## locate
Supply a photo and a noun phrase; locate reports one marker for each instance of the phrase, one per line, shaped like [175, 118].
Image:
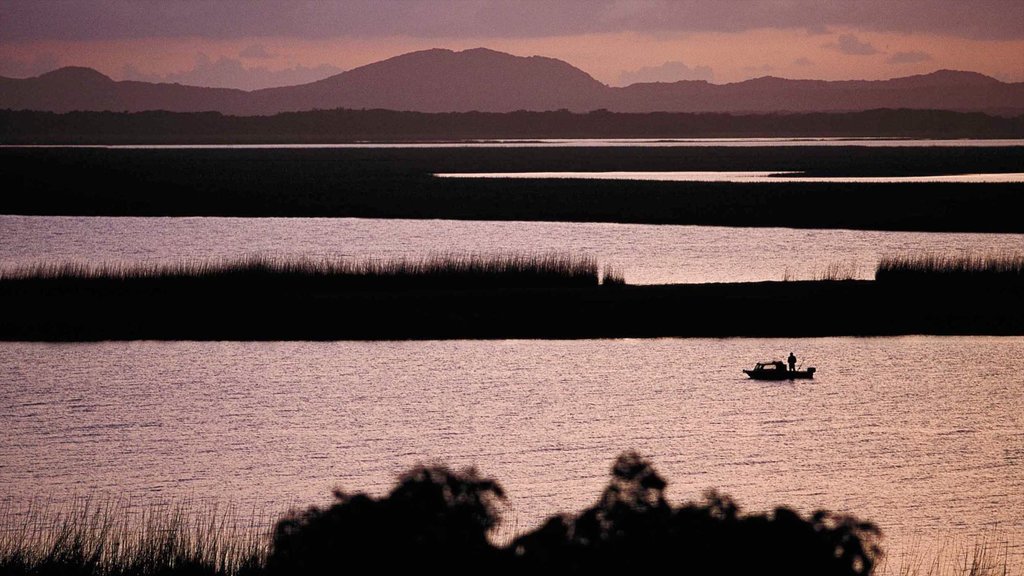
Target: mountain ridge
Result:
[485, 80]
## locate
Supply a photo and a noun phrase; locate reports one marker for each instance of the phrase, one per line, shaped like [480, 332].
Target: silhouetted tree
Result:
[434, 519]
[632, 527]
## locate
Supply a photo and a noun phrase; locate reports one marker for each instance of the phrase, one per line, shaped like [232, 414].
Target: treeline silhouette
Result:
[339, 126]
[436, 520]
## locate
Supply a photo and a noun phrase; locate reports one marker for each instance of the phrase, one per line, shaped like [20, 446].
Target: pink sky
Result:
[264, 43]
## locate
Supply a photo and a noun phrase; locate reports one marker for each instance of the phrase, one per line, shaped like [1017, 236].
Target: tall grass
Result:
[116, 538]
[1006, 267]
[838, 271]
[954, 558]
[445, 270]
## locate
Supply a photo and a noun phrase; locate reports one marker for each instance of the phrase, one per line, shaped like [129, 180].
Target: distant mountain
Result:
[489, 81]
[74, 88]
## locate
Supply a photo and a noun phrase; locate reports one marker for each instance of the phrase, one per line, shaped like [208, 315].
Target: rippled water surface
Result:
[646, 254]
[924, 435]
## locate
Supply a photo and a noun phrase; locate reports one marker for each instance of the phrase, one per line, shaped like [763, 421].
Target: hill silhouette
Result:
[480, 79]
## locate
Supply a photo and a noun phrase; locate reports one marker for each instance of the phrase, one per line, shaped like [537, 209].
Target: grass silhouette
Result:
[1006, 269]
[449, 270]
[115, 538]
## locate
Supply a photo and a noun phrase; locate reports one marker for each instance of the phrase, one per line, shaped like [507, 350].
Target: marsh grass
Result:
[612, 276]
[1005, 268]
[838, 271]
[114, 537]
[954, 557]
[438, 271]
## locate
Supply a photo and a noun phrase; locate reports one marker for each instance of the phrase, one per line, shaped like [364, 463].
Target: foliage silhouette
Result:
[436, 519]
[633, 527]
[433, 519]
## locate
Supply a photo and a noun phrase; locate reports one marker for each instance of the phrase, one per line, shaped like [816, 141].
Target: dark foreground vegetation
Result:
[439, 521]
[399, 183]
[512, 297]
[340, 126]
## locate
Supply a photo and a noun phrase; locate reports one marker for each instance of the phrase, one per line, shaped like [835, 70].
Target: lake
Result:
[923, 435]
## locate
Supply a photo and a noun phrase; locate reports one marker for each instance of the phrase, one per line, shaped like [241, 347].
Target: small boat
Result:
[777, 371]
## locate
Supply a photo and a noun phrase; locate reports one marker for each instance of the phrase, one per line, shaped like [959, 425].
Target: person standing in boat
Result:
[792, 362]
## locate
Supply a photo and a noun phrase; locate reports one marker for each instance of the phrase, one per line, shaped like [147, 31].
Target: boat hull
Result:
[780, 374]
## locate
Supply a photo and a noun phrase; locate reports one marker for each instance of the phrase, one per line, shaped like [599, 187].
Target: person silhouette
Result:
[792, 362]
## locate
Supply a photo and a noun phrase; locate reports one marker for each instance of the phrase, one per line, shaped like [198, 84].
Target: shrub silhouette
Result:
[433, 519]
[633, 527]
[436, 519]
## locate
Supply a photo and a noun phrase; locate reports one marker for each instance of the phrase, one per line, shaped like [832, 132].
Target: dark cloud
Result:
[667, 72]
[850, 44]
[803, 62]
[232, 73]
[257, 51]
[911, 57]
[113, 19]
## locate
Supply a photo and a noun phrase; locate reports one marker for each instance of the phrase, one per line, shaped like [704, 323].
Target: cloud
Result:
[667, 72]
[258, 51]
[40, 64]
[911, 57]
[28, 20]
[803, 62]
[851, 45]
[231, 73]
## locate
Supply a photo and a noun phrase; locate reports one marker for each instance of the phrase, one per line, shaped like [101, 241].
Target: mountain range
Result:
[484, 80]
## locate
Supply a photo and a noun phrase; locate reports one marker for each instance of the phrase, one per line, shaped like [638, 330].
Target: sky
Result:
[253, 44]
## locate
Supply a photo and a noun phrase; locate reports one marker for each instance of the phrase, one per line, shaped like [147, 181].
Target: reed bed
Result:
[1007, 268]
[116, 538]
[445, 270]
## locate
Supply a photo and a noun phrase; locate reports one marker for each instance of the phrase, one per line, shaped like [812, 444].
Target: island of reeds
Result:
[512, 296]
[399, 182]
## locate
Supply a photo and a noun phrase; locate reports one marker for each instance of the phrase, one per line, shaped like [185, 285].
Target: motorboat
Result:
[777, 371]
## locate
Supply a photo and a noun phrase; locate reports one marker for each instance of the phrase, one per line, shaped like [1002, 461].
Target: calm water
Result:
[647, 254]
[924, 435]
